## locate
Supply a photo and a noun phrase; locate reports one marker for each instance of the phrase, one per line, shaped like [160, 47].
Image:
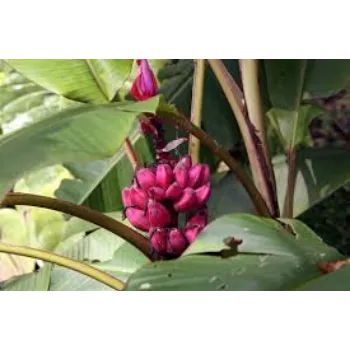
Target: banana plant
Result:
[200, 170]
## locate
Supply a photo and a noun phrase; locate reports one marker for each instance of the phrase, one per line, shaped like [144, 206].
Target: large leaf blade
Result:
[85, 80]
[273, 263]
[315, 249]
[107, 196]
[126, 260]
[98, 184]
[36, 281]
[68, 280]
[23, 102]
[204, 273]
[285, 79]
[97, 246]
[78, 134]
[290, 119]
[103, 250]
[14, 230]
[326, 77]
[228, 196]
[336, 281]
[258, 235]
[76, 225]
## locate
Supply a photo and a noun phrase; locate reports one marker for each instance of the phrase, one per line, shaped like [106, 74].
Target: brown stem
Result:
[183, 123]
[82, 212]
[131, 154]
[11, 190]
[292, 174]
[253, 144]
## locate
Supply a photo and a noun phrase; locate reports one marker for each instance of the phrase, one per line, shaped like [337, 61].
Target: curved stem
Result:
[82, 212]
[172, 117]
[78, 266]
[197, 101]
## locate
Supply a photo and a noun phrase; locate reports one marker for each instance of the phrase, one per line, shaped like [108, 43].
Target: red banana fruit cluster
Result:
[159, 194]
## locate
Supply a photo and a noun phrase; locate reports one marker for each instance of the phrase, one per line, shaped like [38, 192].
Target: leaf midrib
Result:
[96, 79]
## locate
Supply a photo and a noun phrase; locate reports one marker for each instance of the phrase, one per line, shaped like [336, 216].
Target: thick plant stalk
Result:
[82, 212]
[131, 153]
[71, 264]
[249, 76]
[196, 110]
[252, 141]
[183, 123]
[250, 80]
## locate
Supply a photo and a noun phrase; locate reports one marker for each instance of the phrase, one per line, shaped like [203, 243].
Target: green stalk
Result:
[288, 208]
[196, 110]
[250, 79]
[77, 266]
